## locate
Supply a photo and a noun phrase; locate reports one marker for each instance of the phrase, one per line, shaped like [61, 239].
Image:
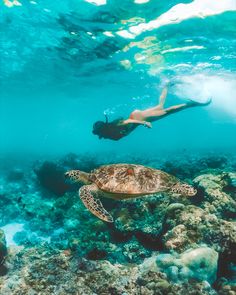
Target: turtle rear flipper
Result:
[92, 203]
[184, 189]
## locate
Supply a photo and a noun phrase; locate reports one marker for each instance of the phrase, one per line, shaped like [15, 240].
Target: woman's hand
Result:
[131, 121]
[147, 124]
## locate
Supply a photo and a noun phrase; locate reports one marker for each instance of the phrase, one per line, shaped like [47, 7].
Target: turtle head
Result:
[78, 176]
[184, 189]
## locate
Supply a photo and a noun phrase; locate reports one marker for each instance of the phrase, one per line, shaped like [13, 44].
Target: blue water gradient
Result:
[63, 65]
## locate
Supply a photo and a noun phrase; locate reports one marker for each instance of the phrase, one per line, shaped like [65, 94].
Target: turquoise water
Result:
[64, 66]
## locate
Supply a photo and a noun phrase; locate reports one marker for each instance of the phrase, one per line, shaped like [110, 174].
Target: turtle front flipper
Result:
[88, 196]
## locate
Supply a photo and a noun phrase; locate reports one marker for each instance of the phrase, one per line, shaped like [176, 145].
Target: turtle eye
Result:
[70, 174]
[67, 174]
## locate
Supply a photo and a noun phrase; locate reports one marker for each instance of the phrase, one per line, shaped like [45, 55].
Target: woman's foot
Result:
[193, 103]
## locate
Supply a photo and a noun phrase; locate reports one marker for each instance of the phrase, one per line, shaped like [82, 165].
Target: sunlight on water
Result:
[97, 2]
[181, 12]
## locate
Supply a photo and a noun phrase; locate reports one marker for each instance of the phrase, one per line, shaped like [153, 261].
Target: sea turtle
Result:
[124, 181]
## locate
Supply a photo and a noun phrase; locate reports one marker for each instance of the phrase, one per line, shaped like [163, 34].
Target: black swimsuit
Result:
[115, 130]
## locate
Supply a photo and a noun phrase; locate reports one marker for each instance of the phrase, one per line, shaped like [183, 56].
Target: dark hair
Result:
[98, 128]
[111, 130]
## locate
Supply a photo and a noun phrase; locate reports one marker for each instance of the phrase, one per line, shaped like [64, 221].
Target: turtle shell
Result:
[131, 179]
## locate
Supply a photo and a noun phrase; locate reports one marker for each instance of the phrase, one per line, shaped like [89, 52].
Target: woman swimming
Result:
[120, 128]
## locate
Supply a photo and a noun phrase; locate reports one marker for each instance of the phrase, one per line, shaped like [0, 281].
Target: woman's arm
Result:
[132, 121]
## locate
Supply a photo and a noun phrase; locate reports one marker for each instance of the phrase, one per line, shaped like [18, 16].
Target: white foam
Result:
[200, 87]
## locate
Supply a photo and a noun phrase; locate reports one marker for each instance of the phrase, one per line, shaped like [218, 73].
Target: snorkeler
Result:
[120, 128]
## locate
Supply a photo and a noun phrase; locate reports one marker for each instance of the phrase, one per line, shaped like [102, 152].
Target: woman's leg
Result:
[156, 114]
[160, 112]
[162, 97]
[176, 107]
[158, 109]
[183, 106]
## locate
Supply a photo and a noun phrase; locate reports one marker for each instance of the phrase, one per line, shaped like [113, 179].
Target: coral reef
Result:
[162, 244]
[51, 176]
[43, 270]
[216, 200]
[3, 247]
[3, 253]
[199, 263]
[192, 225]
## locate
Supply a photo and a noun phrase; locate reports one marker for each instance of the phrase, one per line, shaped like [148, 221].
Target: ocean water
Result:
[64, 66]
